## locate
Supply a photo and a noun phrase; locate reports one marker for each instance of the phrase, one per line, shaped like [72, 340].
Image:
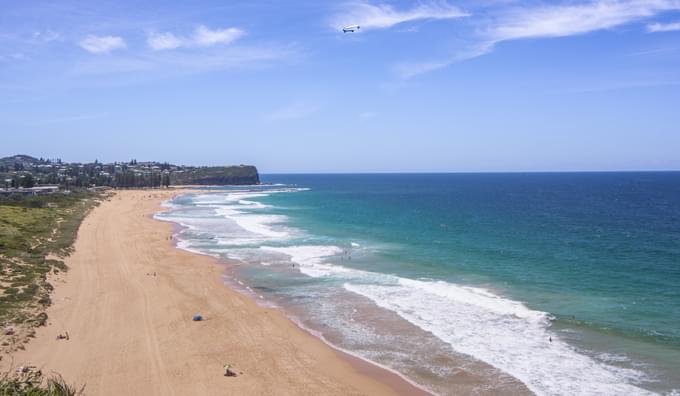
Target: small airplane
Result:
[350, 28]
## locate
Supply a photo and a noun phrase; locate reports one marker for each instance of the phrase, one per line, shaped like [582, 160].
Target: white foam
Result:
[224, 198]
[261, 224]
[240, 196]
[503, 333]
[310, 258]
[201, 214]
[168, 204]
[255, 223]
[613, 357]
[186, 245]
[253, 204]
[174, 219]
[230, 205]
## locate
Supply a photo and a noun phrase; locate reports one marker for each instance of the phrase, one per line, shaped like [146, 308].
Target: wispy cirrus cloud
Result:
[383, 16]
[407, 70]
[167, 63]
[574, 19]
[201, 37]
[546, 21]
[163, 41]
[46, 36]
[663, 27]
[102, 44]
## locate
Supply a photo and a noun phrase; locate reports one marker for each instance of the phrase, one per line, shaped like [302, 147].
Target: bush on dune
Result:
[32, 383]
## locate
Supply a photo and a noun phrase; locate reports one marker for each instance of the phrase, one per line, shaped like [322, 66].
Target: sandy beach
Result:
[127, 303]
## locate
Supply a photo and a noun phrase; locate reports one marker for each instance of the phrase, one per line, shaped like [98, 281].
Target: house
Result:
[39, 190]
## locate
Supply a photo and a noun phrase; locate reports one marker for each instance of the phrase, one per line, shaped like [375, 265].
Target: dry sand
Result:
[131, 333]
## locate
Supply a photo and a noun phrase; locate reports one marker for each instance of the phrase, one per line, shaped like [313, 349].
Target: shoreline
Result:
[395, 380]
[470, 376]
[127, 302]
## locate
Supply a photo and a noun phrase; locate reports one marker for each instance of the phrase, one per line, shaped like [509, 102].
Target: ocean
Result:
[563, 283]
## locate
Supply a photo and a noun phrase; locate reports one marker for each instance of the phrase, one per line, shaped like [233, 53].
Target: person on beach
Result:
[228, 372]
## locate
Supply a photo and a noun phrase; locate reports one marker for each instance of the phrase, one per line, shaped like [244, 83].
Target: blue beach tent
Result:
[198, 318]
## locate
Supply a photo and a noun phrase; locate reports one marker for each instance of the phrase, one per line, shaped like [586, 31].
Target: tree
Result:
[28, 181]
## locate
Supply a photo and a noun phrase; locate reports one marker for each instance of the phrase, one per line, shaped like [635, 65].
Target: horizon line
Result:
[472, 172]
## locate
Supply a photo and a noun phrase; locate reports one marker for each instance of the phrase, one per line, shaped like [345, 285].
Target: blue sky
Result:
[422, 86]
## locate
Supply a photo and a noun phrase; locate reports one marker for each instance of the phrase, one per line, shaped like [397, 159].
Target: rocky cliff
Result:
[216, 175]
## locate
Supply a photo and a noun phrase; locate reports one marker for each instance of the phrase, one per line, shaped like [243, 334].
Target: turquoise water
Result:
[480, 267]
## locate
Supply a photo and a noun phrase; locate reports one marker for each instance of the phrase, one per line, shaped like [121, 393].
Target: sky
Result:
[422, 86]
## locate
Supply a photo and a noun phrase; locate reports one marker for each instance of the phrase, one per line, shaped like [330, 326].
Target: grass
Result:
[33, 383]
[35, 234]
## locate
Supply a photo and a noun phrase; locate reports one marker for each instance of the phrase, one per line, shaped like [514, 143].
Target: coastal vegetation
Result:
[29, 382]
[36, 233]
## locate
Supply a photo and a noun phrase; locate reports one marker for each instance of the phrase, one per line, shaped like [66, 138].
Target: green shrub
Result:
[32, 383]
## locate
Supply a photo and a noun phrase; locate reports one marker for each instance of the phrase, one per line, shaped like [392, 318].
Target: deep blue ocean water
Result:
[569, 282]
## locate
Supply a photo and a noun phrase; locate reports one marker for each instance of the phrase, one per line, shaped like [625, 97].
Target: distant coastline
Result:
[24, 171]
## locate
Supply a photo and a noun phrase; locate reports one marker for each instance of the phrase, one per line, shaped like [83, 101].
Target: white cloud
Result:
[202, 37]
[292, 111]
[663, 27]
[573, 19]
[382, 16]
[163, 41]
[102, 44]
[206, 37]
